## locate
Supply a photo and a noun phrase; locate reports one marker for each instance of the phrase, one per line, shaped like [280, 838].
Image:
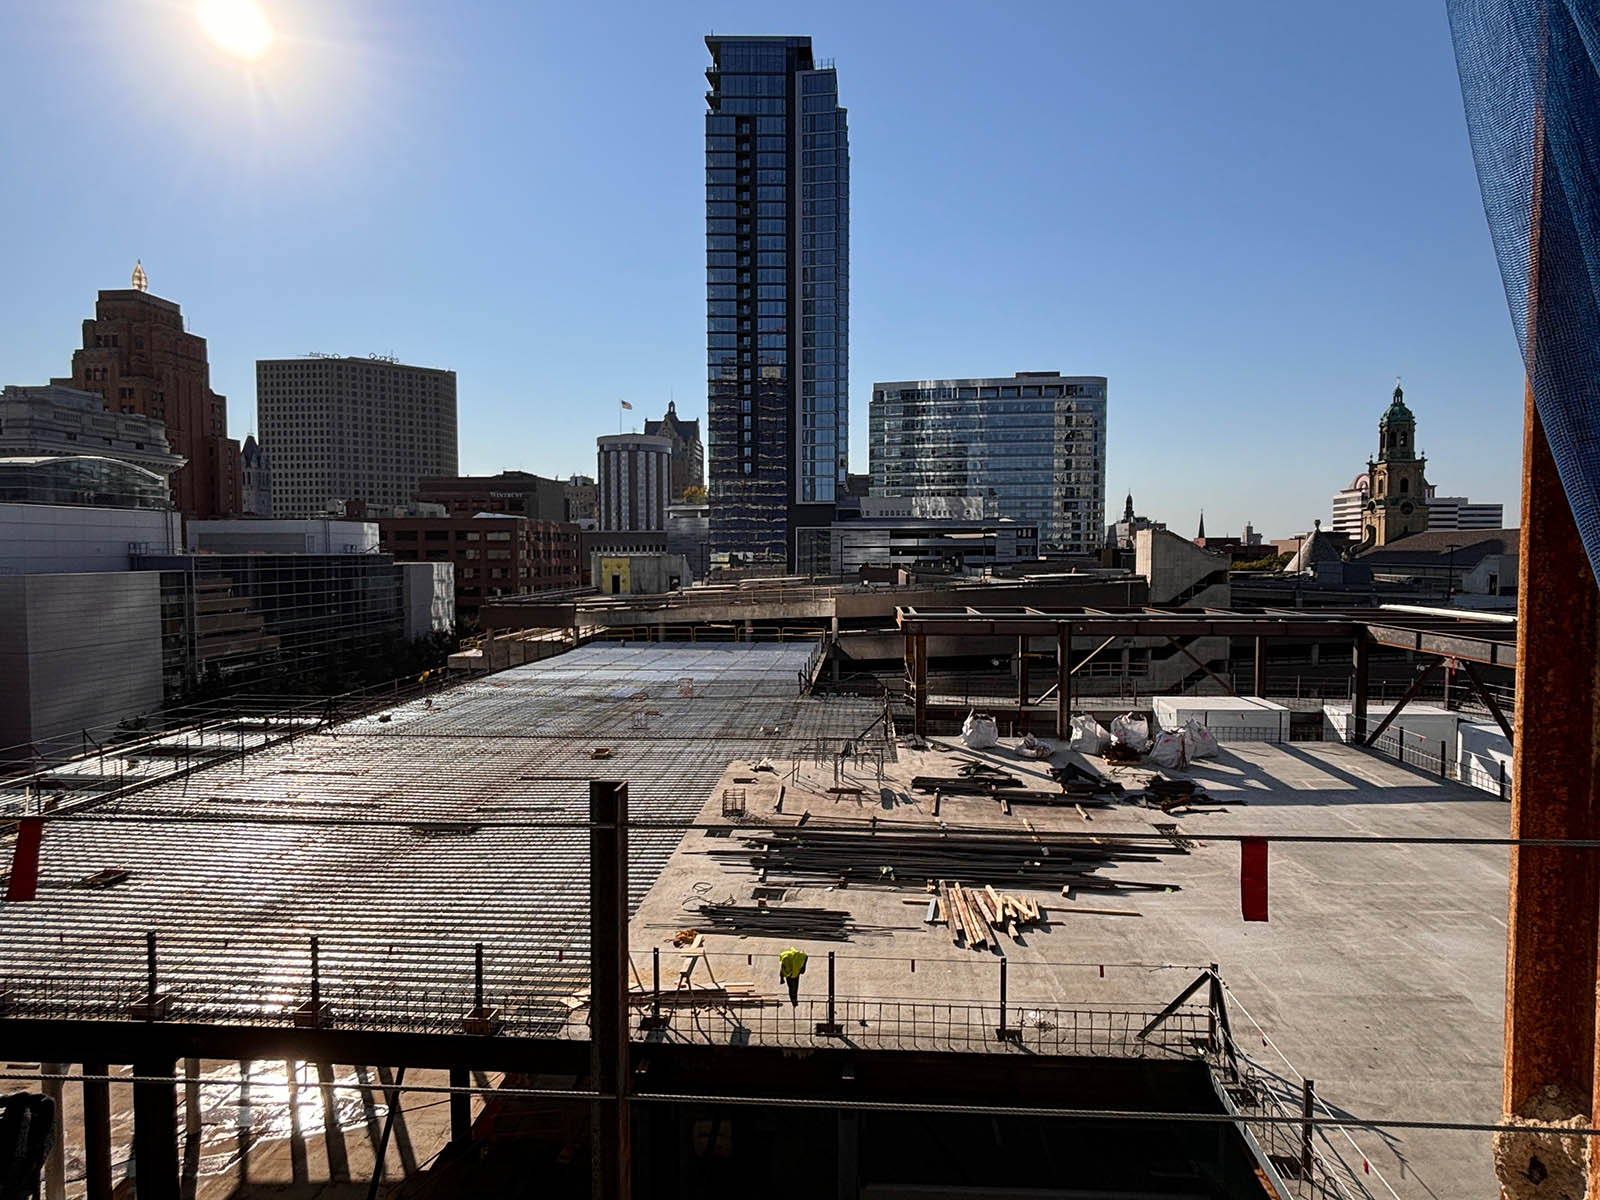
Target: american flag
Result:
[625, 405]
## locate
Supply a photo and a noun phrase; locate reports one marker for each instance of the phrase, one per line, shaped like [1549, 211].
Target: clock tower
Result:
[1397, 502]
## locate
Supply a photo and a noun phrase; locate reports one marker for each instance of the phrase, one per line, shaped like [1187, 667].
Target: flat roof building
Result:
[363, 430]
[777, 159]
[54, 420]
[1031, 447]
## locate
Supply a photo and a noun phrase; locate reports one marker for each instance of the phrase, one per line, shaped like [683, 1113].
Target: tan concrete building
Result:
[140, 359]
[353, 429]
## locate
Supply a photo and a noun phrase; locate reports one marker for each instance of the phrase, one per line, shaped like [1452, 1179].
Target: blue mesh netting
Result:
[1531, 88]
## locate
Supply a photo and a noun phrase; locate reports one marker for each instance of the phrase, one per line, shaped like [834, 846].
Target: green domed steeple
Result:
[1398, 412]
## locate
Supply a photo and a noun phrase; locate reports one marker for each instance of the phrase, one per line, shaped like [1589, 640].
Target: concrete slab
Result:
[1380, 972]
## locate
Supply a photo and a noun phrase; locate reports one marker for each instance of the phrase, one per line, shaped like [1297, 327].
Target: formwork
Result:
[404, 838]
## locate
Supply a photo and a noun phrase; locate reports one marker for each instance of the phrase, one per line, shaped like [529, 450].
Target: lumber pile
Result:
[733, 994]
[759, 920]
[975, 916]
[811, 856]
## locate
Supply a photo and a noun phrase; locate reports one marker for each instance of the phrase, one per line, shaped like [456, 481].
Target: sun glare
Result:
[238, 27]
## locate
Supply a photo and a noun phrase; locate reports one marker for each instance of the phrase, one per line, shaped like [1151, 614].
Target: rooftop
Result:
[405, 837]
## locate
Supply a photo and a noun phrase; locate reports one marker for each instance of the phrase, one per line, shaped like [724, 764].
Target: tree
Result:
[694, 495]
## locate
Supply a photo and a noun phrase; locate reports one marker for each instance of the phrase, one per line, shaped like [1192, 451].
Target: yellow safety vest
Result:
[792, 963]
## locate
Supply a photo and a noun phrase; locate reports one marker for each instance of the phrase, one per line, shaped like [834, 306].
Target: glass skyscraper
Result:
[777, 296]
[1032, 447]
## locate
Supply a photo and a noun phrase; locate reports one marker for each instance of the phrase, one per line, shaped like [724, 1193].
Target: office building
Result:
[141, 360]
[54, 420]
[1032, 447]
[492, 555]
[514, 492]
[78, 514]
[689, 534]
[951, 547]
[777, 296]
[634, 474]
[1457, 512]
[1350, 508]
[355, 430]
[255, 478]
[583, 498]
[688, 454]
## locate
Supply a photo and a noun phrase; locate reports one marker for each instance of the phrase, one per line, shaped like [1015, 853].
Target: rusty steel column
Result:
[920, 683]
[1022, 684]
[610, 1120]
[1063, 682]
[1554, 915]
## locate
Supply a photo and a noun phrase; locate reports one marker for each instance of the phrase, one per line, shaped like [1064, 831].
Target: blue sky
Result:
[1250, 217]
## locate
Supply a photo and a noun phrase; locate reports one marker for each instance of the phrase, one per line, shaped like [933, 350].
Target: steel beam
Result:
[1361, 667]
[1489, 702]
[610, 1119]
[1406, 698]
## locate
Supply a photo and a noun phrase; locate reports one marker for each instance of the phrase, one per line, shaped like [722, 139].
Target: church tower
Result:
[1397, 502]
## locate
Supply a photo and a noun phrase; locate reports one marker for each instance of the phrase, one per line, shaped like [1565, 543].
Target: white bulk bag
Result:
[1168, 750]
[1132, 732]
[979, 731]
[1088, 735]
[1198, 741]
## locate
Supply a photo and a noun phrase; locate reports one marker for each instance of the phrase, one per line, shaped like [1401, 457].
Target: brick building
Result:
[688, 467]
[140, 359]
[493, 555]
[515, 492]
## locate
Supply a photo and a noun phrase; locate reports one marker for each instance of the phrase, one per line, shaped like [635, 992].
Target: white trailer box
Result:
[1231, 718]
[1485, 756]
[1427, 728]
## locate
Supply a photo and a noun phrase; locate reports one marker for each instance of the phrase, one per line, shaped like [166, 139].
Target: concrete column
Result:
[1260, 683]
[55, 1163]
[155, 1131]
[460, 1109]
[97, 1133]
[191, 1097]
[611, 1160]
[849, 1155]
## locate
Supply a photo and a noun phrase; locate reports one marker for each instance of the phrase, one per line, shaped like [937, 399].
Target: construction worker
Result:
[792, 965]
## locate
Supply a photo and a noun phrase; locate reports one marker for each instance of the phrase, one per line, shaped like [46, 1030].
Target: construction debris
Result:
[750, 920]
[844, 858]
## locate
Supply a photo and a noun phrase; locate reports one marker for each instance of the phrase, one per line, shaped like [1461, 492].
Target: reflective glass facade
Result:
[81, 479]
[777, 296]
[1032, 447]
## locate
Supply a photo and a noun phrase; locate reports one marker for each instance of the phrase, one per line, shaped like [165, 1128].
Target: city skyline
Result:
[1254, 320]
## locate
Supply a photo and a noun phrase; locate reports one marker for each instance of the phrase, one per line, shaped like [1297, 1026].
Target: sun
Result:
[238, 27]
